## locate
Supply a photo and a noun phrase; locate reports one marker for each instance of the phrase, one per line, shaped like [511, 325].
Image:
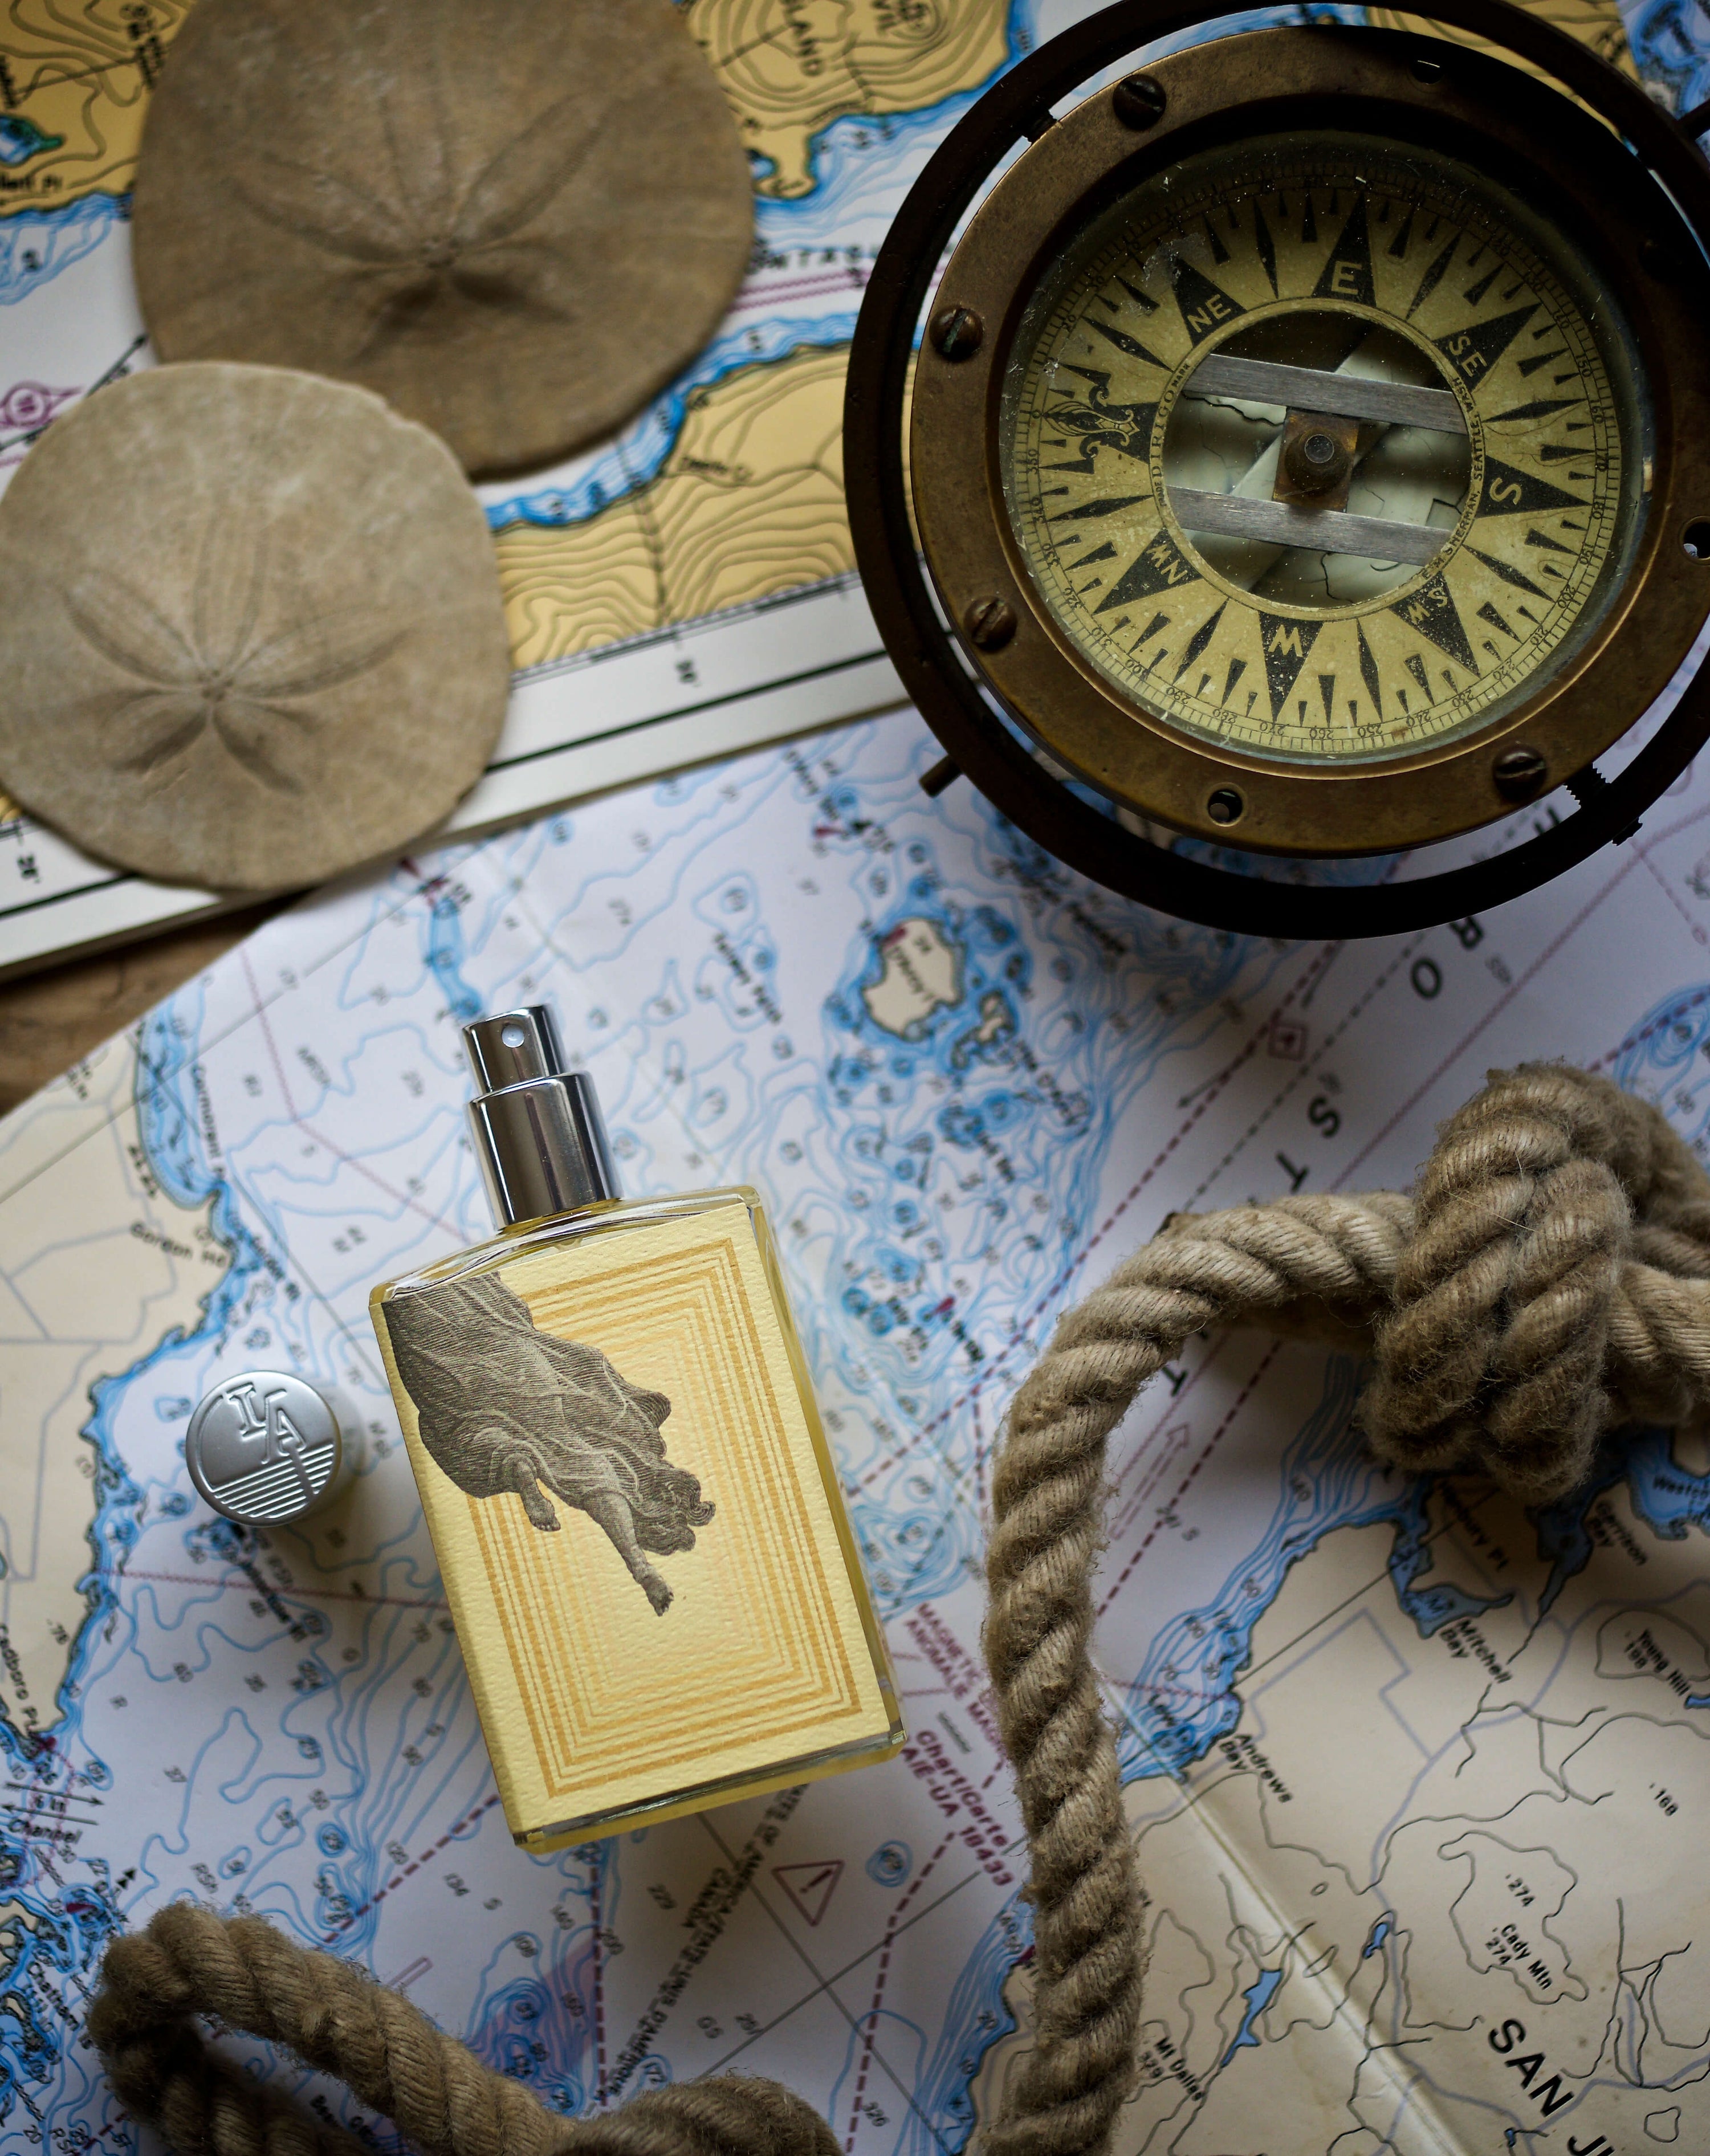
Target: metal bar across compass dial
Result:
[1313, 389]
[1338, 395]
[1322, 530]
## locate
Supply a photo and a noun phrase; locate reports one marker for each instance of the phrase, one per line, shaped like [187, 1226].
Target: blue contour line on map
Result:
[993, 1107]
[1670, 1499]
[1665, 51]
[1327, 1483]
[638, 457]
[445, 954]
[1208, 1648]
[1666, 1058]
[891, 1864]
[21, 139]
[69, 1930]
[830, 147]
[534, 2026]
[167, 1098]
[833, 143]
[36, 244]
[171, 1145]
[1258, 1994]
[837, 155]
[976, 2017]
[1667, 1497]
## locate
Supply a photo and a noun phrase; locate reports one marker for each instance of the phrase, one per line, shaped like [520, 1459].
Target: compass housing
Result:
[1076, 738]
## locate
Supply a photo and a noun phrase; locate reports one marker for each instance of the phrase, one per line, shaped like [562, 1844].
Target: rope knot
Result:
[1549, 1278]
[1552, 1222]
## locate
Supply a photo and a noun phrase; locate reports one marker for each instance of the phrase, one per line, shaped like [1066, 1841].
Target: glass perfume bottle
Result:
[636, 1513]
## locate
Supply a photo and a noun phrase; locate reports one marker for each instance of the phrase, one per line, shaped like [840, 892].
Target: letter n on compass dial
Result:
[1315, 451]
[1321, 454]
[1325, 424]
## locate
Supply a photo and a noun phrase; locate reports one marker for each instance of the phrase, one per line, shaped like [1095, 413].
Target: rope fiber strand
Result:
[1548, 1280]
[337, 2019]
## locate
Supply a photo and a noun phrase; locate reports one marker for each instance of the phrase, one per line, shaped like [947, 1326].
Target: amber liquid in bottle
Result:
[636, 1513]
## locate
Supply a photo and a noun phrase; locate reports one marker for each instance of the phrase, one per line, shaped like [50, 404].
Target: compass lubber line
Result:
[1306, 454]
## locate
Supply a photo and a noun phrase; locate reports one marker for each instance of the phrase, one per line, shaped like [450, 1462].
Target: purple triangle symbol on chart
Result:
[809, 1885]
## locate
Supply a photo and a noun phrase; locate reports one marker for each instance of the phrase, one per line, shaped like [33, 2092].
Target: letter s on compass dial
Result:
[1315, 463]
[1376, 466]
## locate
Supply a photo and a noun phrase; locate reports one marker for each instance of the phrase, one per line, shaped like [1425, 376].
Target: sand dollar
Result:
[516, 220]
[253, 632]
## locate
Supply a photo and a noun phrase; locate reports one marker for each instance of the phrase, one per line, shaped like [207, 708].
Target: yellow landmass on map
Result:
[1595, 22]
[75, 80]
[791, 67]
[111, 1232]
[750, 501]
[74, 85]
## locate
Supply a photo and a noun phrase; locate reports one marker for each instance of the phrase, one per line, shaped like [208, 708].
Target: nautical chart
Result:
[688, 589]
[1418, 1781]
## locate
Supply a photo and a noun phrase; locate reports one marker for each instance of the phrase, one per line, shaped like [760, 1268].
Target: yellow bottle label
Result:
[624, 1496]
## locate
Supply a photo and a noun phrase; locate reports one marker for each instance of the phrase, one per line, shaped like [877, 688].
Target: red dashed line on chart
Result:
[1671, 1016]
[1193, 1473]
[427, 1856]
[599, 1985]
[869, 2019]
[759, 298]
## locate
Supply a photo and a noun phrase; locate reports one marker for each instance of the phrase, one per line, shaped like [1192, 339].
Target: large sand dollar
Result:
[253, 631]
[516, 220]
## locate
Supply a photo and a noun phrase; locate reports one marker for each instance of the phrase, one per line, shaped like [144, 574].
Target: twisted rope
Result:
[1549, 1279]
[337, 2019]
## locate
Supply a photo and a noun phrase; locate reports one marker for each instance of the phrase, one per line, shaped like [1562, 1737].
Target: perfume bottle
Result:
[637, 1516]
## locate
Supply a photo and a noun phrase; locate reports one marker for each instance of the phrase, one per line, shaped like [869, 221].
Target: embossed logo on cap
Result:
[264, 1445]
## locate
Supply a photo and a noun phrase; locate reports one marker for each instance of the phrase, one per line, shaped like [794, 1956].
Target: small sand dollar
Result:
[516, 220]
[253, 632]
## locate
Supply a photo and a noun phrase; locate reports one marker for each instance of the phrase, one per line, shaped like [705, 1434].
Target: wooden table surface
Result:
[48, 1019]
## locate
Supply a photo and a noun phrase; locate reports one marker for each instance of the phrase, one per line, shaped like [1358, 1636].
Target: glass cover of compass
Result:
[1328, 452]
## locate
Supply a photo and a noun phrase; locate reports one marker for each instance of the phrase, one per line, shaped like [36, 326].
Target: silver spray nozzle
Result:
[538, 1133]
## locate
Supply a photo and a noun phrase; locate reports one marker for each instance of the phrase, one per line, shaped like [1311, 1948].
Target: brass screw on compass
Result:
[1138, 101]
[956, 332]
[990, 622]
[1518, 773]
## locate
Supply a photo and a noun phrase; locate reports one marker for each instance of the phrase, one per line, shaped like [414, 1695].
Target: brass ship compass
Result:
[1306, 455]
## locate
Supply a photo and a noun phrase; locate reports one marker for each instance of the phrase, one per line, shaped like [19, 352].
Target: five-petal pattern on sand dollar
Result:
[433, 230]
[220, 674]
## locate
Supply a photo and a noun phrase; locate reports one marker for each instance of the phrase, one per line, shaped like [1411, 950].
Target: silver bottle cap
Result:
[538, 1133]
[264, 1447]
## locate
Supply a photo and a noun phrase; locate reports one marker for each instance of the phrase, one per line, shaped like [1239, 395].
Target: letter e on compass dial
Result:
[1318, 458]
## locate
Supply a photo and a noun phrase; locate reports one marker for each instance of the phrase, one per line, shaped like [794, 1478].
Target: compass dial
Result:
[1324, 448]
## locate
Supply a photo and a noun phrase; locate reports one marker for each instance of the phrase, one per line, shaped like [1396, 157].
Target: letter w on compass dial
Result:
[1321, 450]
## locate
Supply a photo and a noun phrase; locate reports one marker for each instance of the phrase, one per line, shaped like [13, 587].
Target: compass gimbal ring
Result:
[958, 709]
